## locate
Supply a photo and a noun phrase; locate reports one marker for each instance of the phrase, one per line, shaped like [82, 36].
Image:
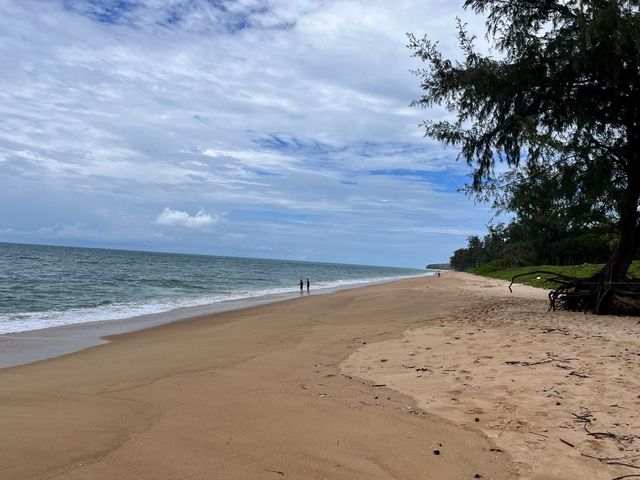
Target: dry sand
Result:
[558, 391]
[292, 390]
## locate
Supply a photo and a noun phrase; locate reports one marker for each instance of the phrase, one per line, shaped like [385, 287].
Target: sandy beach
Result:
[558, 391]
[443, 378]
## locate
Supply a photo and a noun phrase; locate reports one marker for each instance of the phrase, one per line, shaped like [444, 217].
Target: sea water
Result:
[46, 286]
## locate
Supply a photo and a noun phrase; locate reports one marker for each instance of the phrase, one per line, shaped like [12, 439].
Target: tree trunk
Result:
[608, 291]
[613, 292]
[616, 268]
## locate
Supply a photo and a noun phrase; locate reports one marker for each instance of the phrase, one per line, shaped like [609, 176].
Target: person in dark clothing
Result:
[301, 285]
[308, 285]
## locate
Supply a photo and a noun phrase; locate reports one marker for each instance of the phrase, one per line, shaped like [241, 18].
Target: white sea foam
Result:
[27, 321]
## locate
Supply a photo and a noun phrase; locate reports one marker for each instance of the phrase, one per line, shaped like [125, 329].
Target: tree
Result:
[561, 97]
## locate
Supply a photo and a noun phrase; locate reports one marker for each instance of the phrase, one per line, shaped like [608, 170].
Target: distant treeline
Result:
[521, 245]
[439, 266]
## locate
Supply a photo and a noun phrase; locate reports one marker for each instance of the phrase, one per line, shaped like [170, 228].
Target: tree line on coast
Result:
[556, 101]
[513, 246]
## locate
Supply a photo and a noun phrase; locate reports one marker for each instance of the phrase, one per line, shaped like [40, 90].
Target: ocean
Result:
[47, 286]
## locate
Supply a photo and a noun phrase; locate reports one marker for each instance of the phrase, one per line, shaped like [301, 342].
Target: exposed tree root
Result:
[590, 294]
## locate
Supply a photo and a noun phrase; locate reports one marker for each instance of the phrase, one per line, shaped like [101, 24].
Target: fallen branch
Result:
[524, 363]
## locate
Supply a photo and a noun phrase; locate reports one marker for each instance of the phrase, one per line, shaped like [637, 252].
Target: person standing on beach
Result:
[308, 285]
[301, 285]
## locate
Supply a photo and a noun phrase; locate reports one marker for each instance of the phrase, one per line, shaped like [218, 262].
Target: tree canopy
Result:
[557, 100]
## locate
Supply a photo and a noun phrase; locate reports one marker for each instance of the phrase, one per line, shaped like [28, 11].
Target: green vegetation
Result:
[523, 243]
[539, 279]
[556, 99]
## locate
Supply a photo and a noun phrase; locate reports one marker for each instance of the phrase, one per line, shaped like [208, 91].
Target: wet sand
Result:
[249, 394]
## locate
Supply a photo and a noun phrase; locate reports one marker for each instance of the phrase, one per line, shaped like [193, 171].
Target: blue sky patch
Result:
[103, 11]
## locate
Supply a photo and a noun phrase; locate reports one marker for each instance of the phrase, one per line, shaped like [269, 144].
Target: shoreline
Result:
[20, 348]
[254, 394]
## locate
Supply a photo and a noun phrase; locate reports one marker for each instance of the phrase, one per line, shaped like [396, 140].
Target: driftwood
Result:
[590, 294]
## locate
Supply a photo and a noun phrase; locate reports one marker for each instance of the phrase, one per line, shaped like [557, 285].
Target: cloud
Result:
[177, 218]
[289, 115]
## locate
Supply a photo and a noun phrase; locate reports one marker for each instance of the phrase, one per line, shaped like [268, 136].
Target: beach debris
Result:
[615, 436]
[551, 357]
[477, 475]
[279, 472]
[476, 419]
[525, 363]
[562, 331]
[585, 416]
[499, 450]
[379, 385]
[414, 411]
[553, 393]
[567, 443]
[613, 460]
[436, 451]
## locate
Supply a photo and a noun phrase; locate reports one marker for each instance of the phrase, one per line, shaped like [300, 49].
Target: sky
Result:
[258, 128]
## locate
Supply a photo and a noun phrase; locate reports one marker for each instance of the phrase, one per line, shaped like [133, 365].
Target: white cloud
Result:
[273, 111]
[178, 218]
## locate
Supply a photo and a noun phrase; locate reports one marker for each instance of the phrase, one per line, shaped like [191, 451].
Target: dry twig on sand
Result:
[551, 357]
